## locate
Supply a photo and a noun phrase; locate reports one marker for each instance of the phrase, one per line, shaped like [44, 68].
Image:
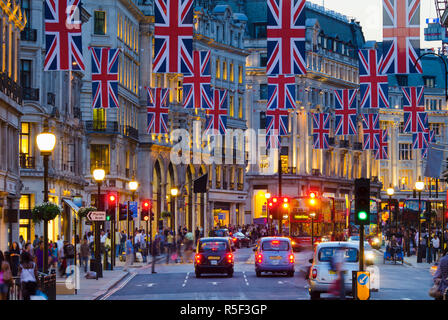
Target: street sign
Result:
[363, 285]
[133, 207]
[97, 216]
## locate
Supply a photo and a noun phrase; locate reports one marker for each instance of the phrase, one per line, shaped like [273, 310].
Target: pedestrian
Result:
[122, 242]
[179, 248]
[69, 255]
[129, 255]
[435, 243]
[21, 242]
[14, 258]
[441, 276]
[28, 276]
[337, 264]
[5, 279]
[54, 255]
[197, 234]
[36, 242]
[84, 254]
[169, 246]
[108, 250]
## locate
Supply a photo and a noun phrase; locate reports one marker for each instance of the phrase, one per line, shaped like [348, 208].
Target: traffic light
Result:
[362, 202]
[123, 212]
[112, 206]
[313, 201]
[278, 207]
[146, 206]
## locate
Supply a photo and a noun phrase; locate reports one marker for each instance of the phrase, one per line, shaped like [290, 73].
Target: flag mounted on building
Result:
[401, 36]
[63, 40]
[281, 92]
[321, 131]
[196, 85]
[415, 117]
[382, 153]
[173, 36]
[216, 118]
[430, 138]
[105, 77]
[371, 128]
[374, 85]
[286, 37]
[277, 126]
[346, 106]
[158, 110]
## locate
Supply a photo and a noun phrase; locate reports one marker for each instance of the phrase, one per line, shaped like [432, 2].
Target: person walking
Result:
[14, 254]
[28, 276]
[129, 255]
[5, 279]
[435, 243]
[441, 276]
[169, 246]
[84, 253]
[69, 254]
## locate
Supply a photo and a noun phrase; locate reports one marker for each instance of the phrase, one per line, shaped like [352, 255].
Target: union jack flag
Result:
[374, 85]
[63, 41]
[216, 118]
[401, 34]
[321, 130]
[286, 37]
[382, 153]
[105, 77]
[173, 36]
[415, 117]
[371, 126]
[157, 110]
[281, 92]
[277, 124]
[197, 91]
[430, 138]
[345, 111]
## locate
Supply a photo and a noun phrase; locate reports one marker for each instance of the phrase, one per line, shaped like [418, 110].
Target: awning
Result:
[70, 203]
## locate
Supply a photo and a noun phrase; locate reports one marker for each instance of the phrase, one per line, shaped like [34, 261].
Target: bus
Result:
[371, 230]
[329, 220]
[410, 209]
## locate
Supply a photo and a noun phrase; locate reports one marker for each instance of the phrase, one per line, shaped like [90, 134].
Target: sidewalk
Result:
[91, 289]
[412, 261]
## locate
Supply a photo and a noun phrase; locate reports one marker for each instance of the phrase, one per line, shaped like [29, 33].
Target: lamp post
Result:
[390, 192]
[312, 215]
[133, 186]
[98, 175]
[267, 195]
[174, 194]
[46, 142]
[419, 186]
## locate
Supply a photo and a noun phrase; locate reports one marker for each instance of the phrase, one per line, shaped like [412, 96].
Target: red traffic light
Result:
[274, 200]
[146, 218]
[112, 198]
[313, 195]
[146, 204]
[285, 200]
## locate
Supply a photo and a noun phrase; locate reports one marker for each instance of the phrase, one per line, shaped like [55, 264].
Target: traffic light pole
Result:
[153, 262]
[361, 247]
[127, 218]
[280, 216]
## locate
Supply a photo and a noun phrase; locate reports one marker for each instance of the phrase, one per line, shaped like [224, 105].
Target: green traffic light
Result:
[362, 215]
[108, 218]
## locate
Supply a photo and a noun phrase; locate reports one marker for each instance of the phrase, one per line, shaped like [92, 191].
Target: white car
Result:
[321, 277]
[355, 239]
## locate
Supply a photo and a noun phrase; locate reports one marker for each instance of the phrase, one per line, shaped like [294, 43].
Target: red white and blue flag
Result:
[173, 36]
[430, 138]
[158, 110]
[196, 86]
[105, 77]
[415, 117]
[63, 40]
[277, 125]
[382, 153]
[216, 119]
[346, 112]
[286, 37]
[401, 36]
[371, 128]
[281, 92]
[374, 85]
[321, 131]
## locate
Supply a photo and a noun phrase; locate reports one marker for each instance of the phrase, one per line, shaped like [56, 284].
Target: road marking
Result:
[245, 278]
[214, 283]
[149, 285]
[186, 279]
[106, 296]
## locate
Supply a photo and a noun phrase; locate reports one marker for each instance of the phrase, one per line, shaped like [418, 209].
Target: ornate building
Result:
[12, 22]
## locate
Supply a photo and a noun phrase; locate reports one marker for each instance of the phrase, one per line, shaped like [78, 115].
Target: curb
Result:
[103, 292]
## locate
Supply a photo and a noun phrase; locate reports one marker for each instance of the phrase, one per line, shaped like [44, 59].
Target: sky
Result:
[370, 14]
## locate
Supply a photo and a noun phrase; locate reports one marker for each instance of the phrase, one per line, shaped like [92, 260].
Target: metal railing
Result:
[357, 146]
[131, 132]
[26, 162]
[47, 284]
[9, 87]
[28, 34]
[31, 94]
[110, 127]
[15, 292]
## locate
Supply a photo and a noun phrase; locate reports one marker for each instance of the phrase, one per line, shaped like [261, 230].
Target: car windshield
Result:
[350, 255]
[212, 246]
[354, 238]
[221, 233]
[275, 245]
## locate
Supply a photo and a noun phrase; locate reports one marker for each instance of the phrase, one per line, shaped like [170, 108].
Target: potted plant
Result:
[84, 211]
[47, 211]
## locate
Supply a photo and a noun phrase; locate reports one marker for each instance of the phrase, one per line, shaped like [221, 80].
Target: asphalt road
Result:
[178, 282]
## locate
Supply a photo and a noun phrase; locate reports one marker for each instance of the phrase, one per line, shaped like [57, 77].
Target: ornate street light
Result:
[390, 192]
[99, 175]
[419, 186]
[46, 141]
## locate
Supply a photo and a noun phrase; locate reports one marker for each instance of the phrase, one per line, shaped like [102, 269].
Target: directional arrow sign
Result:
[97, 216]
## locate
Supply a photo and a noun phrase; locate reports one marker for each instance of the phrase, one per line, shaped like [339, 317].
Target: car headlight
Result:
[293, 243]
[376, 240]
[369, 256]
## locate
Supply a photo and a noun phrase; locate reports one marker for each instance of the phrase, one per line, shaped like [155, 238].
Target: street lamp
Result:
[267, 195]
[98, 175]
[174, 194]
[133, 186]
[419, 186]
[390, 192]
[312, 215]
[46, 142]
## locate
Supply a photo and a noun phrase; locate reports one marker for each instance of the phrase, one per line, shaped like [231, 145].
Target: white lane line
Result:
[120, 287]
[186, 279]
[245, 278]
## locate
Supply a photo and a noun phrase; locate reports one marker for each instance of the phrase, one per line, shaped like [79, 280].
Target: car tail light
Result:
[314, 273]
[275, 241]
[291, 258]
[259, 258]
[198, 258]
[229, 257]
[234, 239]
